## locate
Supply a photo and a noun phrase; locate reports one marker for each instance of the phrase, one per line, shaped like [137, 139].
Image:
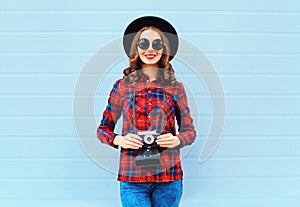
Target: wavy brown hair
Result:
[133, 72]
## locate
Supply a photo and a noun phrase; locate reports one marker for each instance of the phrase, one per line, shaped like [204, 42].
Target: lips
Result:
[150, 56]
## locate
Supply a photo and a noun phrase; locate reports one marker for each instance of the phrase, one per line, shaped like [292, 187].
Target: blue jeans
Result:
[151, 194]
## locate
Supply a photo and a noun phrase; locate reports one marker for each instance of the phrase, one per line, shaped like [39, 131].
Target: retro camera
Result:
[149, 153]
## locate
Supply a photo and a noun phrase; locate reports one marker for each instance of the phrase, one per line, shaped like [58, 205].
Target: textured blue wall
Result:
[254, 46]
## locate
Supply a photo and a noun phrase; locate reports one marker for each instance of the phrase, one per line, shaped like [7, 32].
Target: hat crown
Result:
[147, 21]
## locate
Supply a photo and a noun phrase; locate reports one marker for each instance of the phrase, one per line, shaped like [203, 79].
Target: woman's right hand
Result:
[130, 141]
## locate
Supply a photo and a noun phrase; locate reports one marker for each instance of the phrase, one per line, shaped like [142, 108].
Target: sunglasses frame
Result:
[148, 44]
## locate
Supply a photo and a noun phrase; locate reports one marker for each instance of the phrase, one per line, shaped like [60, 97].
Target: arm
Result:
[186, 130]
[110, 117]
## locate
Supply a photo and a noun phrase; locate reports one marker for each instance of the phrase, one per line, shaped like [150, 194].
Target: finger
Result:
[165, 143]
[133, 140]
[164, 136]
[135, 136]
[132, 145]
[166, 139]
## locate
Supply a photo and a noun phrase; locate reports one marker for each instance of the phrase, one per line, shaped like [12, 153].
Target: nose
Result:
[150, 49]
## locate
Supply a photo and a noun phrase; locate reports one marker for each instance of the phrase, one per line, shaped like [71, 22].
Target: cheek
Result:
[140, 52]
[159, 55]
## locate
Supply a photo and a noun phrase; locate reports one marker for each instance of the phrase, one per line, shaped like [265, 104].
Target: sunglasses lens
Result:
[157, 44]
[143, 43]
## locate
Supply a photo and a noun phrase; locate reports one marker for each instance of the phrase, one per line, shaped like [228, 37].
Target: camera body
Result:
[148, 138]
[149, 153]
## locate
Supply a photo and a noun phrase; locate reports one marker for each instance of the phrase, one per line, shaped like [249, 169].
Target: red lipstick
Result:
[150, 56]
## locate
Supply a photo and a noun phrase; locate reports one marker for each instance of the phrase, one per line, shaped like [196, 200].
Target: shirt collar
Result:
[145, 78]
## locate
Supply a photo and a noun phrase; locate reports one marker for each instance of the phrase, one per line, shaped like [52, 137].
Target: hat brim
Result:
[157, 22]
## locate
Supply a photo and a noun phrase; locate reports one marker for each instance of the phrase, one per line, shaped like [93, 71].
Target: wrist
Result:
[177, 141]
[117, 140]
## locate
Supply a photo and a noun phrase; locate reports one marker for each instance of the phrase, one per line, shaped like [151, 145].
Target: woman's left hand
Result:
[168, 140]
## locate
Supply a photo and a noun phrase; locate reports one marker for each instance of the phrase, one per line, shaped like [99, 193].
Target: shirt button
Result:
[149, 116]
[149, 91]
[150, 104]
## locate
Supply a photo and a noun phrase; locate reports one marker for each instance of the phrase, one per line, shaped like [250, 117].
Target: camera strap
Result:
[162, 127]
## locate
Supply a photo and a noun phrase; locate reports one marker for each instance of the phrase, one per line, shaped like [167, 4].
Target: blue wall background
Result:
[254, 46]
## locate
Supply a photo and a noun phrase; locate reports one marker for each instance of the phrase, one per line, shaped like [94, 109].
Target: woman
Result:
[149, 98]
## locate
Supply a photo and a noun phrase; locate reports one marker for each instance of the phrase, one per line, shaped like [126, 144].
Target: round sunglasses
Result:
[144, 44]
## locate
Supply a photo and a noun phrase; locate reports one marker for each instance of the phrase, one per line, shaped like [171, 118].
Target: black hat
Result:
[157, 22]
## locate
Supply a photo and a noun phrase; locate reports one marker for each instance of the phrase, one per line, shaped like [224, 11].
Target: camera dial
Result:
[149, 139]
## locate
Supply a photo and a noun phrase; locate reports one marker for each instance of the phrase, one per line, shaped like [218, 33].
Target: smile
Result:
[150, 56]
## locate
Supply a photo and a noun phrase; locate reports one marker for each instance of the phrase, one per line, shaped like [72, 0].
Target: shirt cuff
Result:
[182, 141]
[112, 142]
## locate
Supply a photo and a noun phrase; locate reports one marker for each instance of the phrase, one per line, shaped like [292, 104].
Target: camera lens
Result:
[149, 139]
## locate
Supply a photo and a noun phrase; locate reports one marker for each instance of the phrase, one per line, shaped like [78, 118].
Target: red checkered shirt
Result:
[148, 110]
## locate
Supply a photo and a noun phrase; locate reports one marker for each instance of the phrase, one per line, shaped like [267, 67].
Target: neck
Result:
[151, 71]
